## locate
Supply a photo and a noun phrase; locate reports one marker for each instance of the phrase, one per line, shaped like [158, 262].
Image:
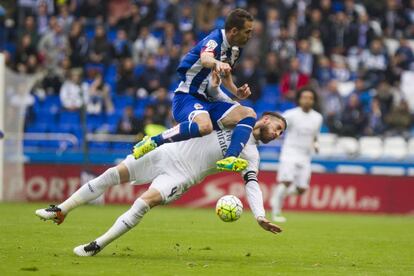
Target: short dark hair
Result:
[275, 115]
[236, 19]
[305, 89]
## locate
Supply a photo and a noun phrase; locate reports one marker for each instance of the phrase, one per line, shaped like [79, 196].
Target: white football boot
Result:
[87, 250]
[52, 213]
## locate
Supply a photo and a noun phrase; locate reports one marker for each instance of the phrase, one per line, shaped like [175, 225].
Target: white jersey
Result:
[198, 156]
[173, 168]
[300, 134]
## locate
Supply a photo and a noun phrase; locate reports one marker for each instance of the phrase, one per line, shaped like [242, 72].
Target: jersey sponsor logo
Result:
[210, 46]
[223, 137]
[198, 106]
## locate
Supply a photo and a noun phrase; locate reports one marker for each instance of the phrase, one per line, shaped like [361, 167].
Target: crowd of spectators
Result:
[119, 57]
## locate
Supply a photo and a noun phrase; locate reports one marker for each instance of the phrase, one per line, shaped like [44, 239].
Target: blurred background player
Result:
[295, 159]
[195, 109]
[172, 169]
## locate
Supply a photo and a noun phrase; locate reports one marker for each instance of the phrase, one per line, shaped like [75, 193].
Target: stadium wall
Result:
[322, 165]
[2, 95]
[329, 192]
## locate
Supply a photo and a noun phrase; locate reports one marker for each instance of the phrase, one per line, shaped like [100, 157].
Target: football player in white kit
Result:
[295, 159]
[172, 169]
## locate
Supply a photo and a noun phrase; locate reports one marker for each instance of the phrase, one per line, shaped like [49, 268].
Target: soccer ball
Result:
[229, 208]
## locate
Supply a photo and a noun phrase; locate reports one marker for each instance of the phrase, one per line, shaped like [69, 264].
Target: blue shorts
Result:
[186, 107]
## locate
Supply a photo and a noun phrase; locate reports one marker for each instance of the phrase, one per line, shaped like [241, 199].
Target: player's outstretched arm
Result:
[224, 71]
[255, 200]
[268, 226]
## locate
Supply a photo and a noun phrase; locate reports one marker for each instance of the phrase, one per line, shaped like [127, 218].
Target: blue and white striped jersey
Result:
[194, 77]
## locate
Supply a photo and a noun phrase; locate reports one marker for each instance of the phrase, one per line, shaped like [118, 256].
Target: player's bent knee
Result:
[123, 173]
[152, 197]
[205, 129]
[244, 112]
[236, 115]
[249, 112]
[203, 121]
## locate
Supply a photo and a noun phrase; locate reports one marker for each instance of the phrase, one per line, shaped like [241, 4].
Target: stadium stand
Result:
[360, 62]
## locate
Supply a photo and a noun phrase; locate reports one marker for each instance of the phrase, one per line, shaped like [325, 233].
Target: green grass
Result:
[173, 241]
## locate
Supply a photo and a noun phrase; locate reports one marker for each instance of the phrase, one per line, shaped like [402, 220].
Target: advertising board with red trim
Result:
[328, 192]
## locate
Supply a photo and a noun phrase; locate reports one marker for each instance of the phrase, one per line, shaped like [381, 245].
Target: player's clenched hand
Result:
[268, 226]
[222, 68]
[243, 92]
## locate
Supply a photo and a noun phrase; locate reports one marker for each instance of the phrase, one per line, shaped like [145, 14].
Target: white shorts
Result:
[164, 175]
[296, 172]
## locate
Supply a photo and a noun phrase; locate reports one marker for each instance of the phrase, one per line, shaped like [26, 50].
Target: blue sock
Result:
[181, 132]
[240, 136]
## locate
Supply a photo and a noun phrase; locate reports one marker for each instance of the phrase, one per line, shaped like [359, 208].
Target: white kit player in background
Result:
[172, 169]
[301, 140]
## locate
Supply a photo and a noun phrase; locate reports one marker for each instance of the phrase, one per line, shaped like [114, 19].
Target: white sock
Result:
[277, 199]
[91, 190]
[125, 222]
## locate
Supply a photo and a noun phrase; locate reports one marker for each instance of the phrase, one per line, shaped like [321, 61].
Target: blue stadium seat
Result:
[46, 118]
[158, 33]
[248, 103]
[337, 6]
[121, 102]
[110, 77]
[140, 107]
[45, 110]
[285, 105]
[11, 48]
[110, 71]
[265, 106]
[89, 32]
[99, 145]
[50, 144]
[48, 104]
[69, 118]
[30, 143]
[112, 121]
[72, 129]
[122, 146]
[271, 93]
[93, 122]
[34, 128]
[43, 127]
[138, 70]
[111, 35]
[38, 127]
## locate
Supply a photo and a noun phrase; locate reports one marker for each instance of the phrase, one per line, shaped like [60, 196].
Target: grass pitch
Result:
[175, 241]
